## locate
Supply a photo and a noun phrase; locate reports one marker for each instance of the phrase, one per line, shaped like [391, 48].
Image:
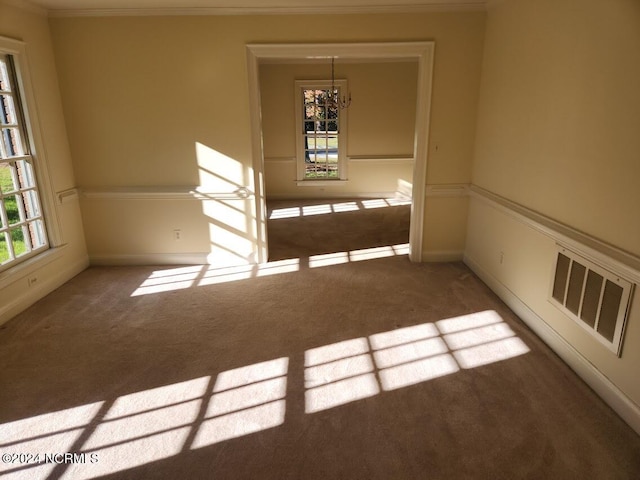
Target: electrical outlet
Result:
[177, 235]
[31, 281]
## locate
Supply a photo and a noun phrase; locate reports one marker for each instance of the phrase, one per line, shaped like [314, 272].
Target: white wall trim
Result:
[611, 394]
[470, 6]
[196, 258]
[442, 256]
[322, 183]
[380, 158]
[164, 193]
[33, 264]
[422, 51]
[31, 295]
[622, 263]
[447, 190]
[279, 159]
[68, 196]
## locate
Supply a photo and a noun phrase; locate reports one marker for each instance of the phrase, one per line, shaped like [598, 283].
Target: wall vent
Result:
[594, 297]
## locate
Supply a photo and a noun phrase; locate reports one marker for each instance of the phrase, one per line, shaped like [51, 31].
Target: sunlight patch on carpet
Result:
[337, 258]
[354, 369]
[172, 279]
[339, 207]
[245, 400]
[158, 423]
[42, 434]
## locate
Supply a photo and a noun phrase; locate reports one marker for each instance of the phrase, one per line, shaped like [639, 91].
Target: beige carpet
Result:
[352, 364]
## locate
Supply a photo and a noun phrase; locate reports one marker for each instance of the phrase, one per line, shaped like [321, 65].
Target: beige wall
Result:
[64, 221]
[559, 113]
[558, 123]
[381, 123]
[140, 92]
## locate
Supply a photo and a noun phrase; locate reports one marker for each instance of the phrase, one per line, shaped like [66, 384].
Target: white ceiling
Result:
[88, 7]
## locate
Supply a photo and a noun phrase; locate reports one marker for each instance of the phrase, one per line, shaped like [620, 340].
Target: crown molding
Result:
[311, 10]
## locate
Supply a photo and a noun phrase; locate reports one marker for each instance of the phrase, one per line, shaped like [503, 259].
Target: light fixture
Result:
[334, 99]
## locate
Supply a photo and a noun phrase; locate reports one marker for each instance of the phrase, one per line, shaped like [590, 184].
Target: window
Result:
[22, 229]
[321, 132]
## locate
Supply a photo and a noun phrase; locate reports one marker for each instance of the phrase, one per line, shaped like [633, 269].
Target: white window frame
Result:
[300, 85]
[34, 152]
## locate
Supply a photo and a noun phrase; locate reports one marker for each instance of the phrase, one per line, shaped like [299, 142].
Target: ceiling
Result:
[114, 7]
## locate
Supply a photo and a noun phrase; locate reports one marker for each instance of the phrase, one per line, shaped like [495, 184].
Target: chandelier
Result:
[334, 99]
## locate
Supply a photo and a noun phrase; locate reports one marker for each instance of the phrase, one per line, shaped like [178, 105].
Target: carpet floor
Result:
[318, 365]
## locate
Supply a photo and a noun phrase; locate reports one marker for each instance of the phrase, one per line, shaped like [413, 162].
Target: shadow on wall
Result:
[227, 202]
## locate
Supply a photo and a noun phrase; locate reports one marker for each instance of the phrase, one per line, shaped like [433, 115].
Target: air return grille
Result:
[593, 296]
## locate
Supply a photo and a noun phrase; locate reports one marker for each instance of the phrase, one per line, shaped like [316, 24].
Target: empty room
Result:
[362, 239]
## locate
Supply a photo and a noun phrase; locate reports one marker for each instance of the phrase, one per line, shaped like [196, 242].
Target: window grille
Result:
[22, 227]
[321, 137]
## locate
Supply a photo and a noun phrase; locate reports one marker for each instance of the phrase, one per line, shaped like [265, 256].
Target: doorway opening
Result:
[420, 52]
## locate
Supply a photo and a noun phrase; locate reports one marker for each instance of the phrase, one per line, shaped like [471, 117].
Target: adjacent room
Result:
[364, 239]
[367, 201]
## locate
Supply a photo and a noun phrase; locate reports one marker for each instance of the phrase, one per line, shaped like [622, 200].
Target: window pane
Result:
[310, 156]
[4, 250]
[12, 142]
[308, 96]
[36, 234]
[321, 143]
[321, 97]
[310, 171]
[4, 76]
[25, 176]
[6, 178]
[13, 208]
[332, 147]
[321, 156]
[7, 110]
[31, 204]
[20, 247]
[311, 113]
[309, 142]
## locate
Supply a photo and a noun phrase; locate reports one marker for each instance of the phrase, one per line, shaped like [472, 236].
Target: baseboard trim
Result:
[612, 395]
[197, 258]
[35, 293]
[434, 256]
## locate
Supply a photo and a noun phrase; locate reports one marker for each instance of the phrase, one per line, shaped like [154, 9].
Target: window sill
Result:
[26, 268]
[321, 183]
